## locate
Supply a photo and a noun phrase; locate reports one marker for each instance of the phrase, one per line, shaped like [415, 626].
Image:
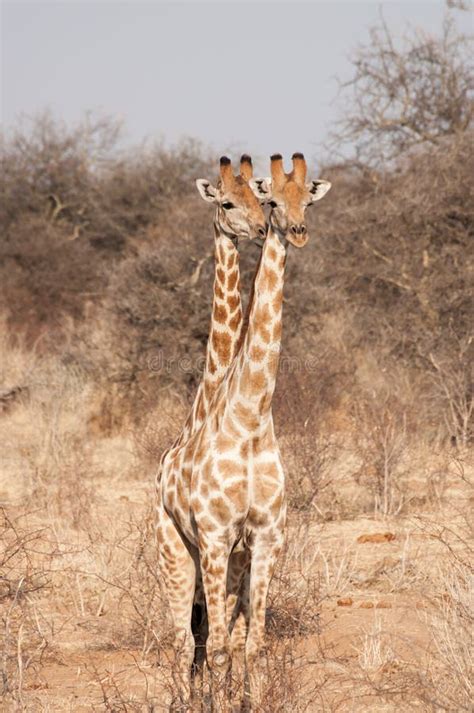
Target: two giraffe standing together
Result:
[221, 506]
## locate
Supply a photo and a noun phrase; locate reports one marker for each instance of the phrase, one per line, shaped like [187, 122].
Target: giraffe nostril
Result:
[262, 232]
[294, 229]
[303, 228]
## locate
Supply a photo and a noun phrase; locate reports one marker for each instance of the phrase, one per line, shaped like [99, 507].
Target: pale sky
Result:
[258, 75]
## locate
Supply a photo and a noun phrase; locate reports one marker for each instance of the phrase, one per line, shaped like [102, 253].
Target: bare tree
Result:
[402, 96]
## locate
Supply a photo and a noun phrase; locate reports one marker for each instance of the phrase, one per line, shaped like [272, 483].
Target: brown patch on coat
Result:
[276, 506]
[205, 523]
[197, 506]
[207, 469]
[264, 403]
[229, 468]
[221, 343]
[232, 280]
[235, 321]
[220, 313]
[224, 443]
[200, 411]
[262, 443]
[246, 417]
[220, 408]
[265, 491]
[253, 381]
[231, 428]
[244, 450]
[277, 303]
[187, 473]
[219, 510]
[212, 365]
[220, 275]
[213, 483]
[237, 493]
[265, 335]
[261, 318]
[270, 279]
[211, 600]
[217, 570]
[257, 353]
[273, 360]
[266, 470]
[271, 253]
[257, 518]
[233, 302]
[218, 292]
[200, 451]
[276, 335]
[221, 254]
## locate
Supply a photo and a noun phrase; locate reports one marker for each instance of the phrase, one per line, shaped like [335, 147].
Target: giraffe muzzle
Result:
[298, 235]
[259, 235]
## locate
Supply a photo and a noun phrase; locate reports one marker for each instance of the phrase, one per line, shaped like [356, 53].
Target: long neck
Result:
[225, 330]
[251, 383]
[227, 318]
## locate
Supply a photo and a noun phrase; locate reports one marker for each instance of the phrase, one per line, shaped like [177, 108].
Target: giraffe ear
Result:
[318, 189]
[262, 187]
[207, 190]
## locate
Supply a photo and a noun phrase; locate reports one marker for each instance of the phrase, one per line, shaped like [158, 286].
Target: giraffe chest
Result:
[224, 487]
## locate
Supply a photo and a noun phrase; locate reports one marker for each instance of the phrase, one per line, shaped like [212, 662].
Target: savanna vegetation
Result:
[106, 262]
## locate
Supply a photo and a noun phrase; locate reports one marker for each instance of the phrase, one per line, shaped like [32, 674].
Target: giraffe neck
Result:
[226, 321]
[225, 331]
[251, 383]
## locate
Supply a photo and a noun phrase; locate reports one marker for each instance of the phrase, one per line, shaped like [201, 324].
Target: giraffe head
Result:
[289, 195]
[239, 213]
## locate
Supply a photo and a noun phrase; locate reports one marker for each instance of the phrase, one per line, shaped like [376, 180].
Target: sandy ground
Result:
[350, 615]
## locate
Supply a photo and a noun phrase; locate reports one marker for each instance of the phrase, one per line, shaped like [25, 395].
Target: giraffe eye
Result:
[227, 205]
[273, 204]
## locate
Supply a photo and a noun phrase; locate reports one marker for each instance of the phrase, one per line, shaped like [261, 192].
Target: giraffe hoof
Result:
[220, 660]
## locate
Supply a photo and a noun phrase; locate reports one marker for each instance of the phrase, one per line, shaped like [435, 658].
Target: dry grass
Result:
[358, 619]
[370, 608]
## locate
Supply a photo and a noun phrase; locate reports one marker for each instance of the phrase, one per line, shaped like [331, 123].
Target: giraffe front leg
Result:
[238, 577]
[264, 554]
[214, 565]
[237, 597]
[178, 572]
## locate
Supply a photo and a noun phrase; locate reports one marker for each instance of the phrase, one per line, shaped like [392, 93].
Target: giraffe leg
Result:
[214, 565]
[200, 632]
[265, 550]
[178, 572]
[238, 618]
[199, 622]
[237, 597]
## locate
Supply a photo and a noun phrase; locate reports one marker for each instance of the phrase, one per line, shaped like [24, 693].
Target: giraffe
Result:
[224, 490]
[238, 216]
